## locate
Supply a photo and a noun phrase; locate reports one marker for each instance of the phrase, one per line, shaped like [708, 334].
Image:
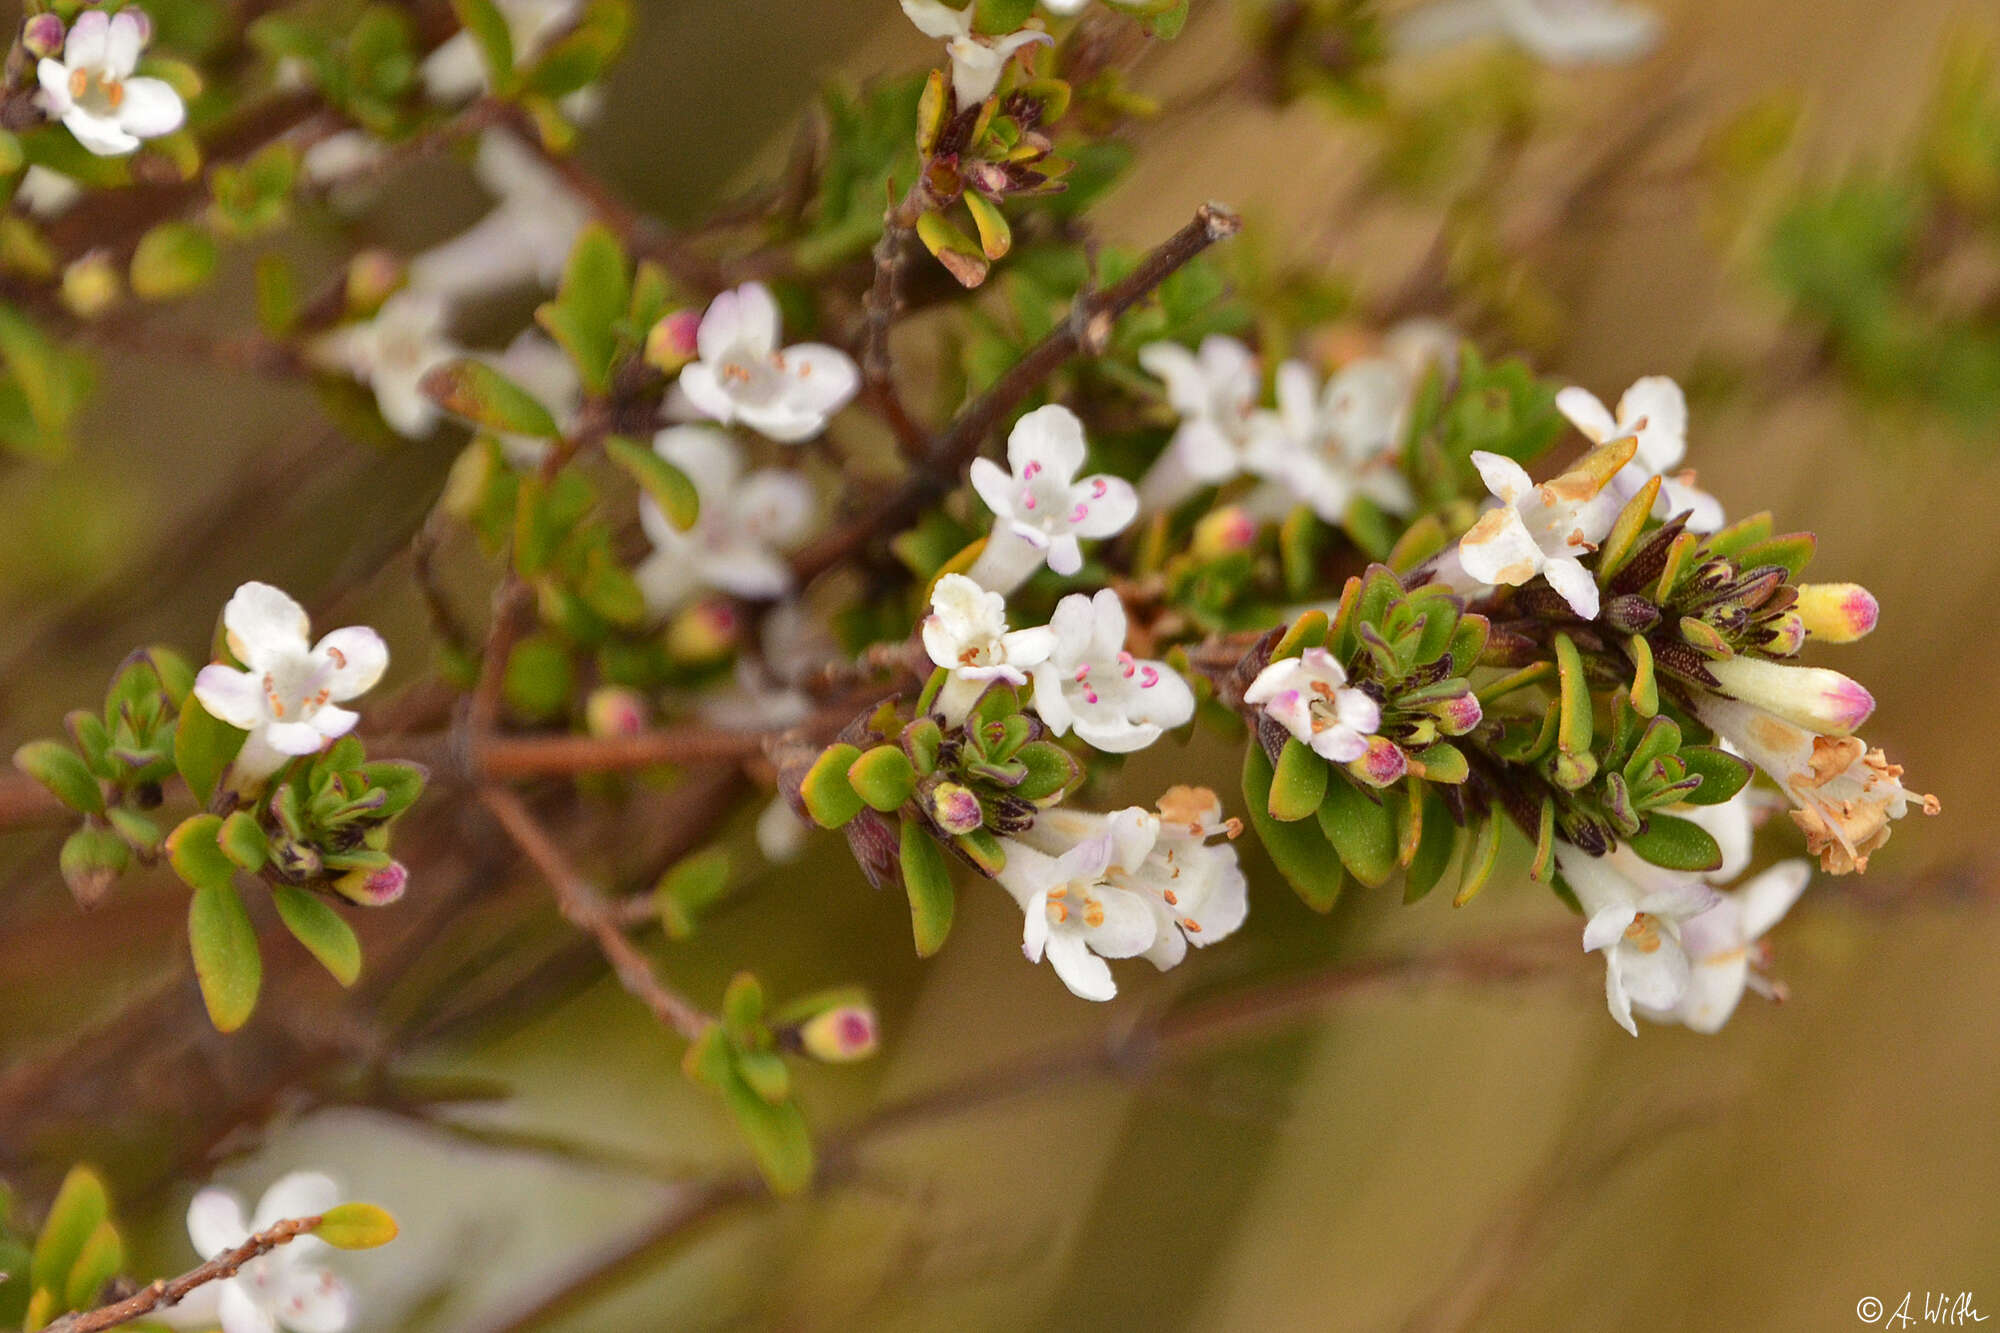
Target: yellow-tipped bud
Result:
[1837, 612]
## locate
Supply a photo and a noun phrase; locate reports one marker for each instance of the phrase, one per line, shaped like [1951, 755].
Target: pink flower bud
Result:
[704, 632]
[1822, 701]
[374, 888]
[1223, 532]
[1788, 635]
[671, 343]
[43, 36]
[613, 710]
[1458, 714]
[1837, 612]
[840, 1035]
[955, 808]
[1383, 764]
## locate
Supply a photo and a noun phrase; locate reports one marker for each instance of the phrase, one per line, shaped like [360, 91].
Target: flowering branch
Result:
[164, 1293]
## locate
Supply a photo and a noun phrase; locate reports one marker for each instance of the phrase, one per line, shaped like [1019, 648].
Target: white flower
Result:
[1535, 530]
[1043, 508]
[287, 695]
[390, 354]
[1309, 696]
[47, 194]
[1073, 914]
[455, 71]
[1114, 701]
[976, 59]
[1558, 32]
[1215, 392]
[1636, 921]
[1193, 885]
[1845, 795]
[1724, 942]
[525, 240]
[1654, 412]
[284, 1289]
[966, 633]
[743, 376]
[744, 522]
[93, 92]
[534, 362]
[1331, 445]
[1065, 6]
[781, 834]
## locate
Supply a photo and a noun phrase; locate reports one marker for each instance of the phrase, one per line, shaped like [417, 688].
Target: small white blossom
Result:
[1215, 392]
[976, 59]
[1329, 445]
[47, 194]
[92, 89]
[288, 693]
[455, 71]
[966, 633]
[744, 523]
[390, 354]
[742, 375]
[1636, 921]
[1074, 915]
[1725, 943]
[525, 240]
[1654, 412]
[285, 1289]
[1115, 701]
[1557, 32]
[1042, 508]
[1309, 696]
[1535, 530]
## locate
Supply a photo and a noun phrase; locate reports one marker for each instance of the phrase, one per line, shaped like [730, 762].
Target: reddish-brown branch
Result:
[167, 1292]
[591, 912]
[1088, 326]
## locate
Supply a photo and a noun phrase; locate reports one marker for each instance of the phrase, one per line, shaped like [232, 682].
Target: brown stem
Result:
[1087, 328]
[593, 913]
[166, 1292]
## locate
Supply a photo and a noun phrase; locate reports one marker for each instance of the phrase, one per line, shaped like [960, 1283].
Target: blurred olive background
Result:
[1437, 1156]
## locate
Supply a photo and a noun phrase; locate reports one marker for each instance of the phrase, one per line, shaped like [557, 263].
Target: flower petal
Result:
[1110, 506]
[151, 107]
[298, 1194]
[937, 20]
[293, 738]
[704, 390]
[1607, 927]
[823, 378]
[215, 1222]
[1128, 927]
[53, 75]
[1050, 436]
[89, 39]
[1087, 976]
[1587, 413]
[239, 1311]
[312, 1300]
[1503, 476]
[993, 486]
[1576, 584]
[235, 697]
[1500, 549]
[1767, 898]
[333, 722]
[1659, 403]
[359, 657]
[265, 625]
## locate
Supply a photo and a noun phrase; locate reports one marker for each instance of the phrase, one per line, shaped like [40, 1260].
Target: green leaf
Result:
[997, 18]
[323, 931]
[356, 1226]
[666, 484]
[1434, 850]
[226, 960]
[204, 745]
[777, 1136]
[689, 887]
[1052, 770]
[927, 880]
[829, 797]
[476, 392]
[243, 842]
[488, 27]
[1480, 859]
[171, 260]
[589, 305]
[1362, 831]
[962, 256]
[63, 772]
[1722, 774]
[883, 777]
[1676, 844]
[1299, 783]
[743, 1012]
[196, 854]
[1298, 850]
[80, 1206]
[103, 1254]
[996, 238]
[766, 1073]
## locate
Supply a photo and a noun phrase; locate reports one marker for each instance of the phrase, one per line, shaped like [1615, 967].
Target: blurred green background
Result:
[1438, 1155]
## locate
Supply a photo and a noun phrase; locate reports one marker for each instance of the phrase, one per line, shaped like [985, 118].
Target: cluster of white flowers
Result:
[1677, 949]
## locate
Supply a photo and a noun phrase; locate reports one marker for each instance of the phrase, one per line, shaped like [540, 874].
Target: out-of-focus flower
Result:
[287, 696]
[1309, 696]
[1114, 701]
[1535, 530]
[534, 362]
[743, 523]
[1654, 412]
[526, 238]
[785, 394]
[977, 60]
[1330, 445]
[1042, 509]
[285, 1289]
[455, 72]
[1557, 32]
[1215, 392]
[44, 193]
[92, 89]
[966, 633]
[842, 1034]
[390, 354]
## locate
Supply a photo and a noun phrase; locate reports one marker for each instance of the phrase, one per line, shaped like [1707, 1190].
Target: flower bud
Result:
[1837, 612]
[613, 710]
[671, 342]
[703, 633]
[91, 859]
[1788, 635]
[1458, 714]
[1383, 764]
[91, 285]
[372, 277]
[374, 888]
[1822, 701]
[1630, 614]
[1224, 532]
[955, 808]
[42, 36]
[841, 1034]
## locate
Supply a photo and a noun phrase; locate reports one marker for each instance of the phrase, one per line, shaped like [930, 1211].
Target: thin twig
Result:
[166, 1292]
[1087, 328]
[591, 912]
